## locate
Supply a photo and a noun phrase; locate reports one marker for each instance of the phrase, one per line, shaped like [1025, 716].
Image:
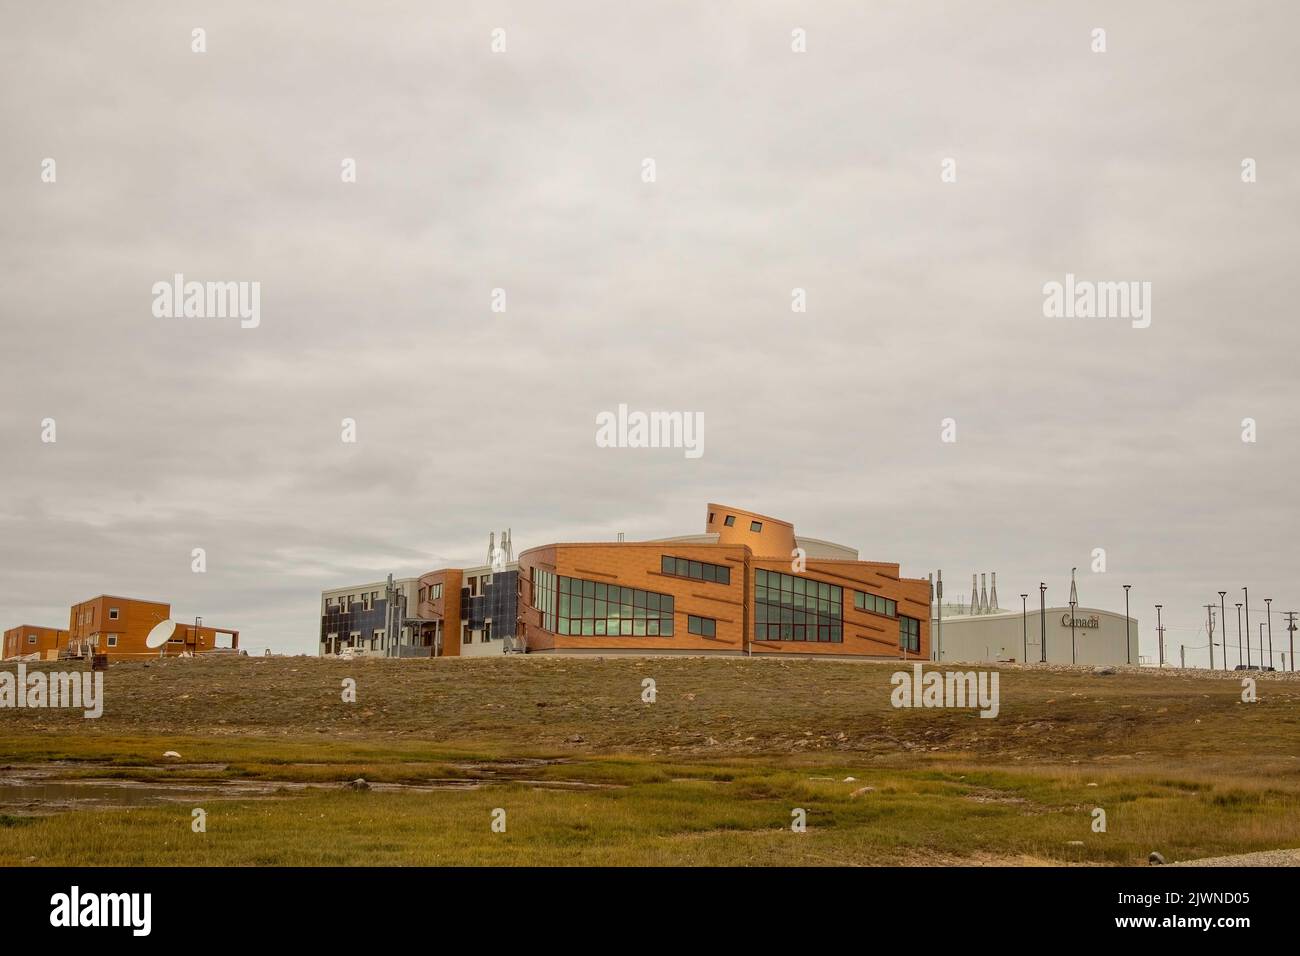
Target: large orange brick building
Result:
[747, 585]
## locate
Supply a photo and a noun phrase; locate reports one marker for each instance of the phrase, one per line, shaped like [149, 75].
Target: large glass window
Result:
[789, 608]
[909, 634]
[699, 570]
[875, 604]
[544, 596]
[596, 609]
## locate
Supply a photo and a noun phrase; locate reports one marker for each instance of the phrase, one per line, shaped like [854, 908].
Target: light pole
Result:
[1024, 620]
[1238, 633]
[1268, 603]
[1160, 635]
[1074, 602]
[1246, 591]
[1128, 629]
[1042, 617]
[1261, 645]
[1223, 616]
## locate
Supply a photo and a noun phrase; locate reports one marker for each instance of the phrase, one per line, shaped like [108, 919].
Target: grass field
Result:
[589, 773]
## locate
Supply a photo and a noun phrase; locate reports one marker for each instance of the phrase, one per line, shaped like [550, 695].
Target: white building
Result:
[980, 631]
[1100, 637]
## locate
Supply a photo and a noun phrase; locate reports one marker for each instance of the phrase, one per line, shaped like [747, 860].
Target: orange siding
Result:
[118, 627]
[638, 565]
[17, 643]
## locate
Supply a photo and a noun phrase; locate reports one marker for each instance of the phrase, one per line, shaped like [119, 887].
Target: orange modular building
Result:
[118, 626]
[747, 585]
[33, 639]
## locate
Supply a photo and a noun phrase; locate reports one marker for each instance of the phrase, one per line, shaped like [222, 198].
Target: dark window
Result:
[704, 626]
[875, 604]
[698, 570]
[710, 517]
[731, 520]
[756, 526]
[909, 634]
[790, 608]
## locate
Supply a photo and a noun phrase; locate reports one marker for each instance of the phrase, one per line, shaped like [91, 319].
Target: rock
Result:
[577, 739]
[711, 742]
[1075, 843]
[861, 790]
[850, 779]
[1155, 859]
[171, 755]
[1103, 670]
[1092, 785]
[357, 784]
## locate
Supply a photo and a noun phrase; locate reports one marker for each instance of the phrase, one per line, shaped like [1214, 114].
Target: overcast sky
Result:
[522, 170]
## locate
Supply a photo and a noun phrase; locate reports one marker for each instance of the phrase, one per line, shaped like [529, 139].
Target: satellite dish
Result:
[161, 634]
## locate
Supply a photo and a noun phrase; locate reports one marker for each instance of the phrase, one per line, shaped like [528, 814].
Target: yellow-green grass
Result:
[707, 774]
[734, 812]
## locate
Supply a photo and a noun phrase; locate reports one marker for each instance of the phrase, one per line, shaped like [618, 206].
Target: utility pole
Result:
[388, 616]
[1238, 633]
[1290, 626]
[1160, 634]
[1128, 629]
[1024, 625]
[1182, 656]
[1209, 616]
[1246, 591]
[1223, 616]
[938, 628]
[1268, 603]
[1042, 616]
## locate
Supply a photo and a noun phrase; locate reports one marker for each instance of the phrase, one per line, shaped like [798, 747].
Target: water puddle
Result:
[44, 788]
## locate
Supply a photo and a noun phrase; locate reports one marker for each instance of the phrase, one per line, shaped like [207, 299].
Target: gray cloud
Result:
[522, 171]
